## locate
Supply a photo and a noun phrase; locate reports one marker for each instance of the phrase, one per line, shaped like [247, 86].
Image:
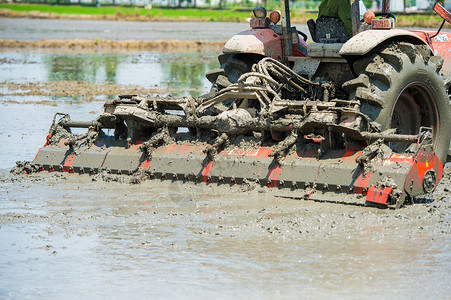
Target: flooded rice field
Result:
[33, 86]
[71, 236]
[21, 73]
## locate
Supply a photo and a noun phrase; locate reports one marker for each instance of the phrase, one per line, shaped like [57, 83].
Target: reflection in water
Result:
[85, 67]
[186, 73]
[181, 71]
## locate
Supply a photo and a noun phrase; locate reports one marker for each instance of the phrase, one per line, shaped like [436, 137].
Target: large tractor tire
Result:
[400, 87]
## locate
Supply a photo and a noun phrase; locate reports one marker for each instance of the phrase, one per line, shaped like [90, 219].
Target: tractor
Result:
[361, 117]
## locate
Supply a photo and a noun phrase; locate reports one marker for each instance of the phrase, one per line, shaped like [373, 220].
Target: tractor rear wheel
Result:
[400, 87]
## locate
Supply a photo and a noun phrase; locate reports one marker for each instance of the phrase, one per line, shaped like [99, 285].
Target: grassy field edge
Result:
[430, 20]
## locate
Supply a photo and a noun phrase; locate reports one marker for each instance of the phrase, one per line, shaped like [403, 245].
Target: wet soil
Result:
[106, 46]
[29, 77]
[71, 235]
[86, 90]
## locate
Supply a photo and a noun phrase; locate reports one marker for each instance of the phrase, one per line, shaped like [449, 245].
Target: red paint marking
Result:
[362, 183]
[206, 171]
[314, 140]
[426, 163]
[378, 198]
[366, 181]
[385, 194]
[228, 153]
[237, 152]
[145, 164]
[273, 174]
[170, 147]
[380, 195]
[260, 152]
[317, 172]
[423, 162]
[66, 166]
[61, 143]
[312, 191]
[370, 195]
[138, 143]
[184, 149]
[350, 155]
[174, 148]
[401, 159]
[264, 152]
[440, 169]
[225, 153]
[252, 153]
[48, 138]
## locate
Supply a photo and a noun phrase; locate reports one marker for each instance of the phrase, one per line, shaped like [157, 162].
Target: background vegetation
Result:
[143, 13]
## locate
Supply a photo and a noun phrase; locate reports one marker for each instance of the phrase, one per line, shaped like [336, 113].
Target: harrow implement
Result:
[254, 131]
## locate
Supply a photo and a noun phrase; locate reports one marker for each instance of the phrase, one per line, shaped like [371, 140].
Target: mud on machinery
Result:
[362, 119]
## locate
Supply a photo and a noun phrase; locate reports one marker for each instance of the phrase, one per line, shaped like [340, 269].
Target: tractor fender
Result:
[257, 41]
[366, 41]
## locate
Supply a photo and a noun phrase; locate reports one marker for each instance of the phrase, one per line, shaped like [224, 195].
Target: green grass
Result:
[191, 13]
[429, 19]
[75, 10]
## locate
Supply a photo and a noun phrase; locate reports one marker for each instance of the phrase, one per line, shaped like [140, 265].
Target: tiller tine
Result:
[372, 175]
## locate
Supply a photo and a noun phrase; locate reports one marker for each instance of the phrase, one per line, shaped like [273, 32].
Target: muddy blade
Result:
[104, 154]
[302, 172]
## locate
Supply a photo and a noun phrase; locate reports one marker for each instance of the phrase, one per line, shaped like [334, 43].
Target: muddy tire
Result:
[400, 87]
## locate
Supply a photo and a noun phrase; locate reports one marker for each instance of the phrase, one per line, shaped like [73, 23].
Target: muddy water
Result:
[77, 236]
[71, 236]
[179, 71]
